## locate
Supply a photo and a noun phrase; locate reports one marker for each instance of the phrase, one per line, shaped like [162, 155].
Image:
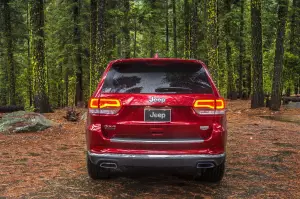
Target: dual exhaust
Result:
[200, 165]
[109, 165]
[205, 165]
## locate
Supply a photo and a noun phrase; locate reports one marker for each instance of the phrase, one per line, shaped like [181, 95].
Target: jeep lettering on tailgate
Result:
[154, 99]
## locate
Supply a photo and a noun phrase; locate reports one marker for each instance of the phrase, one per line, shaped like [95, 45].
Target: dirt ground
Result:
[263, 158]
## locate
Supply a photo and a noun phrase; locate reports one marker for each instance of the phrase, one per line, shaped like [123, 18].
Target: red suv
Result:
[156, 112]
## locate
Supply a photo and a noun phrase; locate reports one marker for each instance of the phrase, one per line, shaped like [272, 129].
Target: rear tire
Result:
[96, 172]
[213, 175]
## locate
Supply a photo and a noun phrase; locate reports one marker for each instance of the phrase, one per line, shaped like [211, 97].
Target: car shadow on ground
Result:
[140, 183]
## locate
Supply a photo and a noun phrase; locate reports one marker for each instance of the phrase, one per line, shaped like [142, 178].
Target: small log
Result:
[9, 109]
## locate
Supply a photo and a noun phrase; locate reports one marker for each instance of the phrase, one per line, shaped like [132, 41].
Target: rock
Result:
[23, 121]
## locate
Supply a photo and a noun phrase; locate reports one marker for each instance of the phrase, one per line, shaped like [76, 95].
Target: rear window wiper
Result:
[173, 89]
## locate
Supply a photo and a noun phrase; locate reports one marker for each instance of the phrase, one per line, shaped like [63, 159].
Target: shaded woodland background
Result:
[53, 52]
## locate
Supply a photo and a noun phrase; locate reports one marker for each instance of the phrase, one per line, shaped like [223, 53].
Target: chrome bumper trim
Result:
[149, 156]
[156, 141]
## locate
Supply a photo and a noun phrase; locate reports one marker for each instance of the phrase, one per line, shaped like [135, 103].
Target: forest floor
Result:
[263, 158]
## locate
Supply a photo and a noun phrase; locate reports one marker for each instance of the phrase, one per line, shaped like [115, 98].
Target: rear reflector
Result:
[104, 106]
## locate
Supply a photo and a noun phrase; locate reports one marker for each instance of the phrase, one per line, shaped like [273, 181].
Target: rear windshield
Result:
[158, 78]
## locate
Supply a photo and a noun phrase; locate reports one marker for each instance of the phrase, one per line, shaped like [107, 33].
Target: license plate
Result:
[157, 115]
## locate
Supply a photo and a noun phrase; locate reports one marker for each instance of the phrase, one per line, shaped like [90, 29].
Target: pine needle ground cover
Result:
[263, 159]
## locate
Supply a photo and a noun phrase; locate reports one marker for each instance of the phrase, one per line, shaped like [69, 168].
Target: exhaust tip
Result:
[205, 165]
[108, 165]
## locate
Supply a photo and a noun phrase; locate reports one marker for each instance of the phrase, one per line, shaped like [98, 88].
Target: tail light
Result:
[209, 106]
[104, 106]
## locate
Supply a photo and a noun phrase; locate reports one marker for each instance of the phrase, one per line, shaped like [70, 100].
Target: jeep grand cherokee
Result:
[156, 112]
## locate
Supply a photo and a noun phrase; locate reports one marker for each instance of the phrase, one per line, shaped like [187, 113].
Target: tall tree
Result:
[194, 30]
[186, 29]
[174, 28]
[256, 27]
[100, 43]
[9, 53]
[93, 36]
[231, 93]
[38, 56]
[167, 26]
[77, 45]
[126, 30]
[294, 44]
[242, 87]
[279, 52]
[212, 37]
[152, 28]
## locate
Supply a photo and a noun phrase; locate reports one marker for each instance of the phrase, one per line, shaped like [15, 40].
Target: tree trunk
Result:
[186, 29]
[135, 34]
[152, 30]
[212, 37]
[167, 27]
[100, 43]
[174, 29]
[38, 57]
[242, 87]
[194, 30]
[126, 28]
[78, 62]
[295, 42]
[9, 53]
[279, 52]
[93, 36]
[231, 92]
[29, 68]
[67, 87]
[258, 93]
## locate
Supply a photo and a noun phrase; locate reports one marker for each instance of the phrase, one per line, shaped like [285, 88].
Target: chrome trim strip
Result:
[157, 141]
[147, 156]
[216, 112]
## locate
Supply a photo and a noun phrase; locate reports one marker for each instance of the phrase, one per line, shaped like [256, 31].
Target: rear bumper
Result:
[148, 160]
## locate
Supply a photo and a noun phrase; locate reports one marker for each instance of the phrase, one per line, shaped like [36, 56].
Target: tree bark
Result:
[174, 29]
[242, 87]
[152, 28]
[186, 29]
[279, 52]
[194, 30]
[212, 37]
[258, 93]
[77, 45]
[295, 41]
[100, 43]
[93, 36]
[135, 35]
[231, 92]
[126, 28]
[38, 57]
[167, 27]
[9, 53]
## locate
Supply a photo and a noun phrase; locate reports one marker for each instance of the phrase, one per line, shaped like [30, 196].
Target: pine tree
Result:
[212, 37]
[78, 58]
[38, 56]
[256, 27]
[9, 53]
[279, 52]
